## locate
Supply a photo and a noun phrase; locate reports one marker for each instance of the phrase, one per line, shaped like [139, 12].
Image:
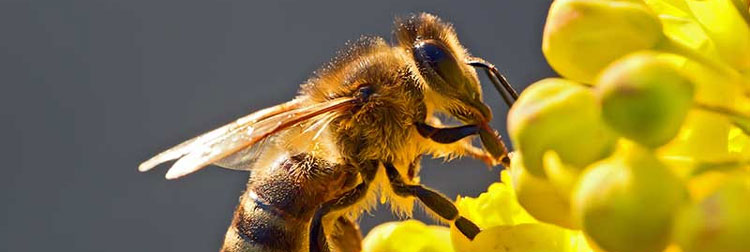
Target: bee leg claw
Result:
[505, 161]
[436, 202]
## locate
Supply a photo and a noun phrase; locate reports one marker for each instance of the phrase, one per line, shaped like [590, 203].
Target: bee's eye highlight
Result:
[432, 55]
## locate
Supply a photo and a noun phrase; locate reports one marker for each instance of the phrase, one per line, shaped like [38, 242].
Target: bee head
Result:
[443, 65]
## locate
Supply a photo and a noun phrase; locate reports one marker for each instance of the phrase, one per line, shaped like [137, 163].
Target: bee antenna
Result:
[498, 80]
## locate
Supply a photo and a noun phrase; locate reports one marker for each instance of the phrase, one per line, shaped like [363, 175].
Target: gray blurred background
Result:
[92, 88]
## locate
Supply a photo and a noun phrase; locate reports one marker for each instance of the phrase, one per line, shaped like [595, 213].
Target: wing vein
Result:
[243, 133]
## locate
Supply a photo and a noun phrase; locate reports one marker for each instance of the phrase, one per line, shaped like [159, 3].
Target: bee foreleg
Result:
[446, 135]
[454, 134]
[433, 200]
[317, 234]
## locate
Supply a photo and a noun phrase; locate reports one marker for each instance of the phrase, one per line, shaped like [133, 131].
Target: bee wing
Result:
[190, 145]
[239, 135]
[244, 159]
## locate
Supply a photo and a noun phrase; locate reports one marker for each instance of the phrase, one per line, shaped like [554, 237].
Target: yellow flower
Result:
[555, 128]
[506, 226]
[407, 236]
[581, 37]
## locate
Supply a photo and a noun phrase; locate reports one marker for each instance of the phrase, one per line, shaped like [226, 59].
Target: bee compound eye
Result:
[430, 54]
[435, 59]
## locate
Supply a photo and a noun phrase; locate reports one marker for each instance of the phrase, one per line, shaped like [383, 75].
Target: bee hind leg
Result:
[433, 200]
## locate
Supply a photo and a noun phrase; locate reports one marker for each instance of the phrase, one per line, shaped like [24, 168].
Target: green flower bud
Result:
[644, 98]
[560, 115]
[627, 203]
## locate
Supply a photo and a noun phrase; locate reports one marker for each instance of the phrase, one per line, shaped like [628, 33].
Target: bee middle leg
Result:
[433, 200]
[318, 240]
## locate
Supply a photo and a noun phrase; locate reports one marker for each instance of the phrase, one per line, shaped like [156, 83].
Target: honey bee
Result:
[356, 132]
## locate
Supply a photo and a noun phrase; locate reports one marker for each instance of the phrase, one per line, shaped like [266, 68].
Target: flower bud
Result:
[560, 115]
[581, 37]
[644, 98]
[407, 236]
[627, 203]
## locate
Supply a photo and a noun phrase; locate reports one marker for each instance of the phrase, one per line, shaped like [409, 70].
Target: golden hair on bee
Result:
[354, 134]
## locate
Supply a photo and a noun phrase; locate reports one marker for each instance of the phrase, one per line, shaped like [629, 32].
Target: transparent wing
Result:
[239, 136]
[196, 142]
[244, 159]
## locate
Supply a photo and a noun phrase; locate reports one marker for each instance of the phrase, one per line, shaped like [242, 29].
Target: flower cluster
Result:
[506, 227]
[642, 145]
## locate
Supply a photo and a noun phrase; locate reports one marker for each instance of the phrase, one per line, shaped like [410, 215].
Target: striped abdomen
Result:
[275, 211]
